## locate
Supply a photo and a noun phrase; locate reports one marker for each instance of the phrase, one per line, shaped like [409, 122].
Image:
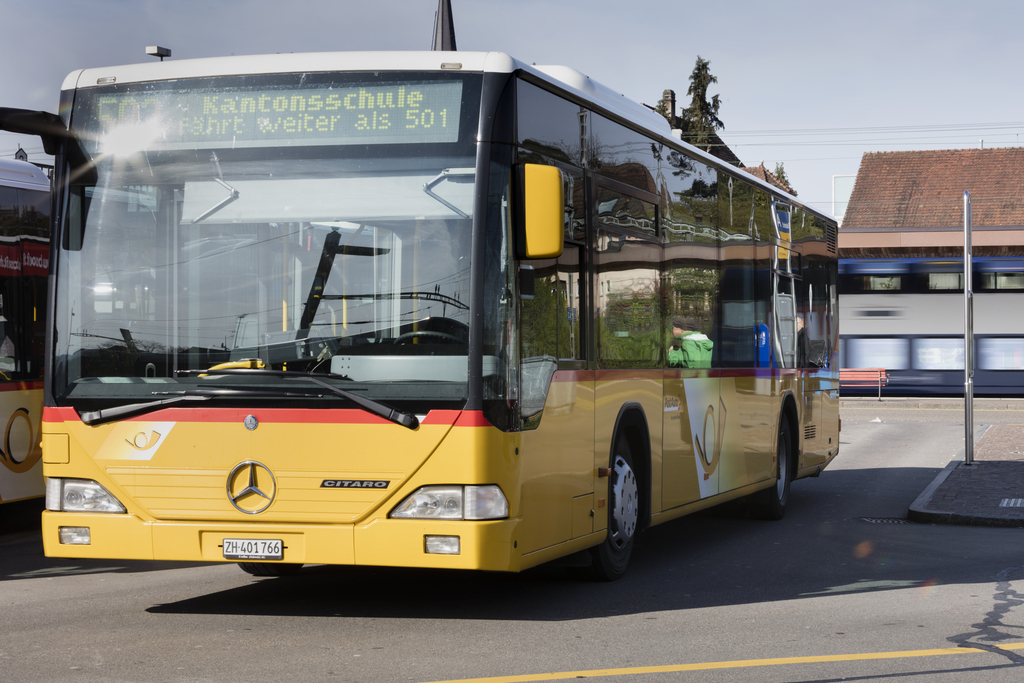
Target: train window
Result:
[938, 354]
[944, 281]
[881, 283]
[856, 283]
[998, 281]
[995, 353]
[877, 352]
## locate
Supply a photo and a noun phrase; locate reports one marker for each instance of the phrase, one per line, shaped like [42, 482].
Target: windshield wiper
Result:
[108, 414]
[231, 393]
[95, 417]
[370, 405]
[399, 417]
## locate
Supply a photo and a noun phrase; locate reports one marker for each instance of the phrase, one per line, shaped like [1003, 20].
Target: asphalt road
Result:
[841, 589]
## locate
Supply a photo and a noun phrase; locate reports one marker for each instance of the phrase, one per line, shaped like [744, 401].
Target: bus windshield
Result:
[308, 223]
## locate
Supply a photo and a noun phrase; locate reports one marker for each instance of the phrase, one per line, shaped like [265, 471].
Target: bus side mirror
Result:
[543, 212]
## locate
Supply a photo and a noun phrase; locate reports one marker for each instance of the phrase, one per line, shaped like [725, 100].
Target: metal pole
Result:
[968, 337]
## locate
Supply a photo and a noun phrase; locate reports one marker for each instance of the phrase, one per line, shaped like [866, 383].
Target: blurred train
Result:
[907, 316]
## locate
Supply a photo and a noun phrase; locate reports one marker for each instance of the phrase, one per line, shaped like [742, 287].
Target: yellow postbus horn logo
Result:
[141, 442]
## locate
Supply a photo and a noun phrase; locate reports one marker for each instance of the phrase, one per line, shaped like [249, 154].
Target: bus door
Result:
[629, 327]
[748, 403]
[816, 307]
[557, 401]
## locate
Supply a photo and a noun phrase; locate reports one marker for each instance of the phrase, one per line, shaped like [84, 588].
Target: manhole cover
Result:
[885, 520]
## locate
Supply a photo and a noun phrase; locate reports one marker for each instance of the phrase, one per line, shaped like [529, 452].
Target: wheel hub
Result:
[625, 499]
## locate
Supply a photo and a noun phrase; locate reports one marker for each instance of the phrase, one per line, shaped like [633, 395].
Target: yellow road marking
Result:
[736, 664]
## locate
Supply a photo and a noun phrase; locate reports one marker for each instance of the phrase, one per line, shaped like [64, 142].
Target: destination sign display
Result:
[332, 114]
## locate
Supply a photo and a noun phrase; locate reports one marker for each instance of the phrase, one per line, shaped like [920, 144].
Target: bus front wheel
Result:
[609, 559]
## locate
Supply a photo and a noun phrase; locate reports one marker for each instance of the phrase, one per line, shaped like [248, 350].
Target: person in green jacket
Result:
[690, 348]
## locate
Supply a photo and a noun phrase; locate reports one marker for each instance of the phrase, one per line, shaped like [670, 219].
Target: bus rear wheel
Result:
[269, 569]
[771, 503]
[609, 559]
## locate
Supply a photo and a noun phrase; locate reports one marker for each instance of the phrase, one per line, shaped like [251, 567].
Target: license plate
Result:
[253, 549]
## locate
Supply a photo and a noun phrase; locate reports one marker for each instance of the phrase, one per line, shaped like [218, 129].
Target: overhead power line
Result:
[870, 130]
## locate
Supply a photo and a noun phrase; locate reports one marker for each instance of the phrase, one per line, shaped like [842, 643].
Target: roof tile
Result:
[921, 190]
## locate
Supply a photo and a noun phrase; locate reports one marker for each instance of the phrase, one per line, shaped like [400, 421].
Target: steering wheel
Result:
[429, 334]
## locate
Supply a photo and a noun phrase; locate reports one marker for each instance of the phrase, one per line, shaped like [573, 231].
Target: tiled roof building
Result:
[910, 204]
[769, 177]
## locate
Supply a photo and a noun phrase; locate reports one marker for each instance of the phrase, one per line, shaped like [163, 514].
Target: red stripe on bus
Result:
[21, 386]
[267, 415]
[63, 414]
[628, 373]
[472, 418]
[692, 373]
[765, 373]
[687, 373]
[574, 376]
[441, 417]
[270, 415]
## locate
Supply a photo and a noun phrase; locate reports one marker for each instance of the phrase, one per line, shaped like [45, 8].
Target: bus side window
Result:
[691, 276]
[550, 319]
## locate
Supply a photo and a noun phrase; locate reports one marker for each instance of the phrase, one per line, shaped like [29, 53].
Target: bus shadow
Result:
[718, 558]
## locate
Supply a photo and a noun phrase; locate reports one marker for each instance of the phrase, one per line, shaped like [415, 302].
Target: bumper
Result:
[382, 542]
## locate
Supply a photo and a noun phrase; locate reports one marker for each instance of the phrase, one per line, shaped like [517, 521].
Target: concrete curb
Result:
[919, 511]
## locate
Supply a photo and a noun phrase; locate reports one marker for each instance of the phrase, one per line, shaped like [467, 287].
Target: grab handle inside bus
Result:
[543, 212]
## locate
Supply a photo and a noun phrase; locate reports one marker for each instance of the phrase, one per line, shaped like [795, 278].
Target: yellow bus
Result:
[442, 310]
[24, 258]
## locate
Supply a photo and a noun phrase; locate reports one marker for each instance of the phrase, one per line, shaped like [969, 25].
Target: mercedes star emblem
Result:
[251, 487]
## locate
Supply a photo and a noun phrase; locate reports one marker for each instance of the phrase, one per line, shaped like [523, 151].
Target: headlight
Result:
[79, 495]
[453, 502]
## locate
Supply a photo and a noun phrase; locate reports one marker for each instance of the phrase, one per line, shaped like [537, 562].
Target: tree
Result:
[702, 116]
[780, 173]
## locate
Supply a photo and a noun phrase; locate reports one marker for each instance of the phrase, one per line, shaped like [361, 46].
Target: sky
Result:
[811, 84]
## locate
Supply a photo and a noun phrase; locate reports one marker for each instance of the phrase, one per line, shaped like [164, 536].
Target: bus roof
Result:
[21, 174]
[309, 62]
[481, 62]
[567, 79]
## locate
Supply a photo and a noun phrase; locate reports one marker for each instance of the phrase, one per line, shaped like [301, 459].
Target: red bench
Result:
[864, 377]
